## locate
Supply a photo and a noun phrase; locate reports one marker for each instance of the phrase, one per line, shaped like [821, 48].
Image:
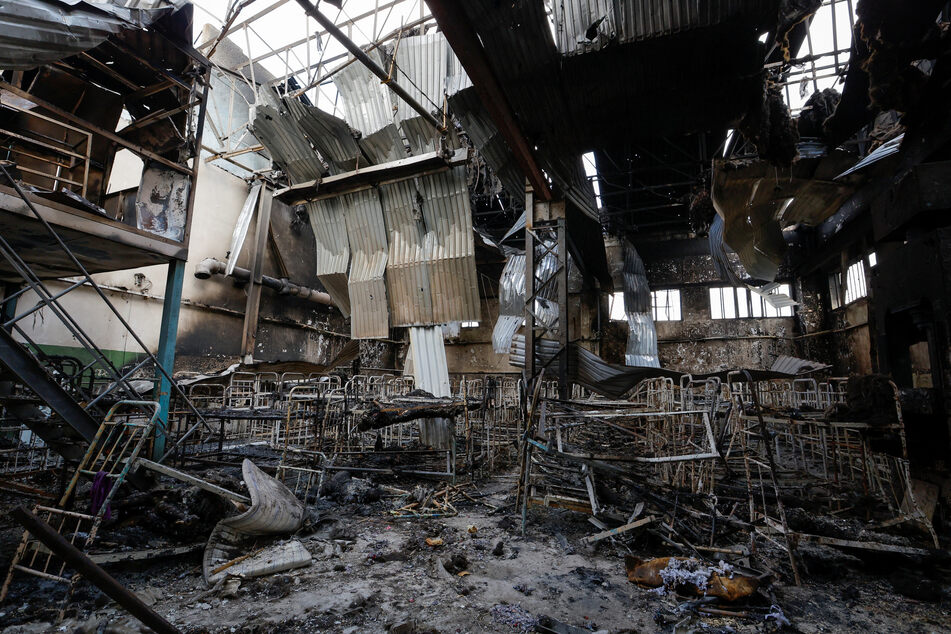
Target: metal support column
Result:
[546, 282]
[166, 350]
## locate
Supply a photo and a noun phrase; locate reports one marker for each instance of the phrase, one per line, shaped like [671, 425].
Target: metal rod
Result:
[96, 575]
[364, 59]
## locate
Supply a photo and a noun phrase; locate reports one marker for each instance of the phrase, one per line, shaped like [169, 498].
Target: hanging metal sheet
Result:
[407, 269]
[511, 303]
[366, 102]
[429, 360]
[332, 249]
[241, 226]
[383, 146]
[331, 136]
[370, 315]
[287, 144]
[641, 336]
[424, 63]
[450, 246]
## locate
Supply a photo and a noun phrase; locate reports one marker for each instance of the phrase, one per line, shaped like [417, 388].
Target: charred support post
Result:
[165, 355]
[88, 569]
[249, 334]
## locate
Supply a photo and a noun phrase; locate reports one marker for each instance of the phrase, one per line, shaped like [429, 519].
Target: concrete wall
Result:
[209, 334]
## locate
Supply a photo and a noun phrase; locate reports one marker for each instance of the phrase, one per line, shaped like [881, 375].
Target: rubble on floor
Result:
[658, 513]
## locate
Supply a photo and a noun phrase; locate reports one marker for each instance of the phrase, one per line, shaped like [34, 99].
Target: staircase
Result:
[62, 400]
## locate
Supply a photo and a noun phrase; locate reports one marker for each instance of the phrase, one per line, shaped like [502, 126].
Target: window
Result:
[855, 284]
[470, 324]
[617, 307]
[741, 303]
[665, 305]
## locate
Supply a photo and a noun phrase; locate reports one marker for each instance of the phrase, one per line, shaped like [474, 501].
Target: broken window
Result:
[855, 286]
[616, 307]
[741, 303]
[665, 304]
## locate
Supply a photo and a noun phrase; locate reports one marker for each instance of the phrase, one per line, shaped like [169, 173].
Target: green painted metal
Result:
[166, 350]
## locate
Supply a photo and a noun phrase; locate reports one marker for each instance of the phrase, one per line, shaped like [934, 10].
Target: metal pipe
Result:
[210, 266]
[364, 59]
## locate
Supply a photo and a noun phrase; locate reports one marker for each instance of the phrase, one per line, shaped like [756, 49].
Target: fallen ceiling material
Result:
[758, 200]
[511, 303]
[37, 32]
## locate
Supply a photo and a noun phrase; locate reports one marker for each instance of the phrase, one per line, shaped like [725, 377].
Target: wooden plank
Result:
[617, 531]
[190, 479]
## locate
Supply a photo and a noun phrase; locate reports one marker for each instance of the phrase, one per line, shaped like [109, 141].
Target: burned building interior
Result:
[486, 316]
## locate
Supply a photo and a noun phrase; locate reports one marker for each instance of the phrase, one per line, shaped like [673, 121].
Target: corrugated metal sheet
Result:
[641, 336]
[286, 143]
[425, 61]
[384, 145]
[474, 119]
[511, 303]
[370, 315]
[793, 365]
[330, 135]
[588, 369]
[366, 102]
[241, 226]
[407, 269]
[429, 360]
[332, 249]
[450, 249]
[883, 151]
[37, 32]
[629, 20]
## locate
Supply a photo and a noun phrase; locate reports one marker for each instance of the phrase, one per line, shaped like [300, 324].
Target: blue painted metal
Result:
[166, 351]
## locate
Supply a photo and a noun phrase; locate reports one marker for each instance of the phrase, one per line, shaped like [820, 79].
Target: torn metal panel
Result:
[161, 203]
[408, 267]
[366, 102]
[287, 144]
[332, 249]
[425, 62]
[792, 365]
[451, 249]
[429, 360]
[274, 510]
[642, 336]
[486, 138]
[757, 202]
[511, 303]
[384, 145]
[588, 369]
[332, 137]
[37, 32]
[588, 25]
[370, 315]
[423, 137]
[241, 226]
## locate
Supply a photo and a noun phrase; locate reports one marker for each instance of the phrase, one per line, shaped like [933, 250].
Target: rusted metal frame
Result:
[364, 59]
[253, 305]
[450, 16]
[227, 155]
[199, 127]
[89, 127]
